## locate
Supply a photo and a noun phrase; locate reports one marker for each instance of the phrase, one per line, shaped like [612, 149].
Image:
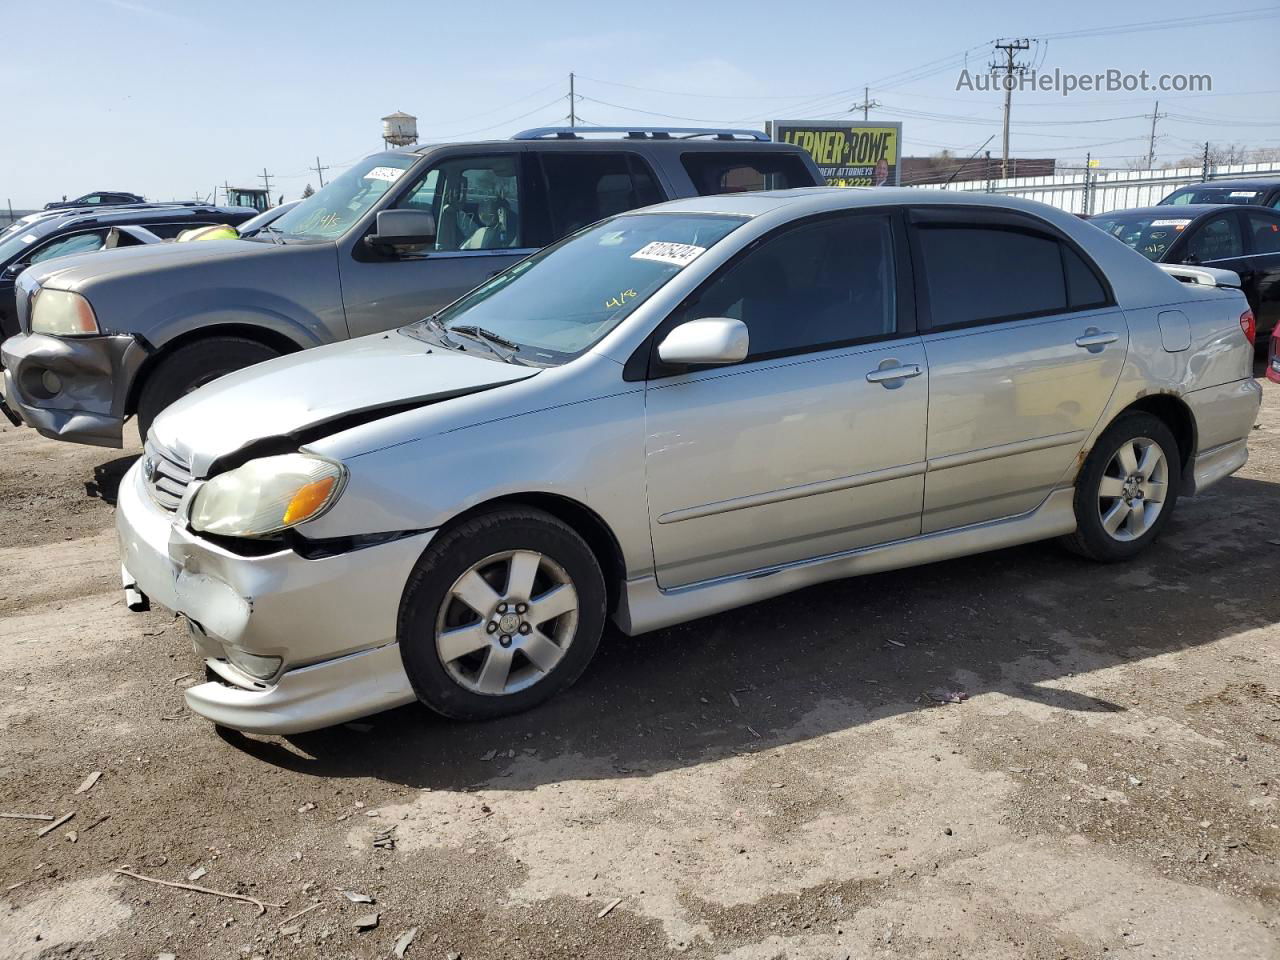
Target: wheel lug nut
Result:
[492, 627]
[502, 608]
[505, 640]
[524, 628]
[521, 607]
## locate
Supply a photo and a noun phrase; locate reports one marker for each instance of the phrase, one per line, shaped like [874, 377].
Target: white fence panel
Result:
[1112, 190]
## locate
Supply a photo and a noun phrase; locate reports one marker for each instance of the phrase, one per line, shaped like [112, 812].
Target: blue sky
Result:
[169, 99]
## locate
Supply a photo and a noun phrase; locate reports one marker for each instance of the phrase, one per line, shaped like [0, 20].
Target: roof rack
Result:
[641, 133]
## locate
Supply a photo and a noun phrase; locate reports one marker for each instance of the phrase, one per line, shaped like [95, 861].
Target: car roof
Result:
[640, 144]
[1259, 184]
[1190, 210]
[112, 216]
[803, 200]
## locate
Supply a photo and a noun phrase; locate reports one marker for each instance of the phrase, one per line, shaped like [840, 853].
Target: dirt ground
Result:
[774, 782]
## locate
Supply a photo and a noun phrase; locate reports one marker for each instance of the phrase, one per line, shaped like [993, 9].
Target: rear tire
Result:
[192, 366]
[501, 612]
[1127, 489]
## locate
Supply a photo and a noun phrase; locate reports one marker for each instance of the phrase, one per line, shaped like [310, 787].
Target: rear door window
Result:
[971, 277]
[167, 231]
[714, 172]
[585, 187]
[1264, 232]
[1216, 239]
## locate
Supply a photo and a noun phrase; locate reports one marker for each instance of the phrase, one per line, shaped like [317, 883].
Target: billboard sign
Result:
[849, 153]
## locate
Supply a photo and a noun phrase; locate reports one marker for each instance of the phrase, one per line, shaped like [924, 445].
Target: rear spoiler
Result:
[1202, 276]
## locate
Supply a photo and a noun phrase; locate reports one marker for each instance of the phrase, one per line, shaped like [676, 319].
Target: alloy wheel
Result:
[506, 622]
[1132, 490]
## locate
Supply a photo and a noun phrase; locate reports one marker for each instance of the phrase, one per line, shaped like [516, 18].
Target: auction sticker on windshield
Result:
[1170, 223]
[389, 174]
[677, 254]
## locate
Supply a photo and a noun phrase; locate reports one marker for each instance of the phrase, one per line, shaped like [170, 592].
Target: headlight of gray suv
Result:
[62, 313]
[268, 495]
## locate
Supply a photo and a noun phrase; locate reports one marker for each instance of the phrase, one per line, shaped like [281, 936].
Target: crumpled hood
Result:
[291, 394]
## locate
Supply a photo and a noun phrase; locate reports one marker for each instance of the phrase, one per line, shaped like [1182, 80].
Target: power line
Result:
[1174, 23]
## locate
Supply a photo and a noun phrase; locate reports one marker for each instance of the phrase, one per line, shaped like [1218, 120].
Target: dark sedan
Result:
[1262, 193]
[83, 231]
[1243, 239]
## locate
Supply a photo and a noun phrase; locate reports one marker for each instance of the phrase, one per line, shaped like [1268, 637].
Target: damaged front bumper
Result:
[323, 629]
[72, 388]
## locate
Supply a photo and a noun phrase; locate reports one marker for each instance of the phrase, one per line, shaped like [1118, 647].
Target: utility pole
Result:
[1010, 49]
[866, 104]
[1204, 164]
[320, 172]
[226, 192]
[1086, 201]
[266, 182]
[573, 104]
[1151, 147]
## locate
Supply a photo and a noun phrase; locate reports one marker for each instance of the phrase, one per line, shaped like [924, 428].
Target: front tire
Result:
[1127, 489]
[191, 367]
[501, 612]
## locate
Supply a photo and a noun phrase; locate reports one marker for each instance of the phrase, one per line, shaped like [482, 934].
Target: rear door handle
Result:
[890, 376]
[1095, 339]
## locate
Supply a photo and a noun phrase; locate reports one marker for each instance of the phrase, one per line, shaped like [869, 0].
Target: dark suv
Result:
[393, 239]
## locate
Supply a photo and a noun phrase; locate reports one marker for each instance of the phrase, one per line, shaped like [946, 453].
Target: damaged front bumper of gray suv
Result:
[72, 388]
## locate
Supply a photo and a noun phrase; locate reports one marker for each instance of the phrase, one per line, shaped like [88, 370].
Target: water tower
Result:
[399, 129]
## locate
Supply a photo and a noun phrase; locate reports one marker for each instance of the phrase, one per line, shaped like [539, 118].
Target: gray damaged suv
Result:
[396, 237]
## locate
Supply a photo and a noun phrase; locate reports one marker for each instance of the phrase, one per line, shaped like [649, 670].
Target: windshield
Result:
[558, 303]
[1212, 195]
[332, 211]
[1151, 234]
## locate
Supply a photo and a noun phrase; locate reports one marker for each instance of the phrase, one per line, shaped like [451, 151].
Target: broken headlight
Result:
[267, 495]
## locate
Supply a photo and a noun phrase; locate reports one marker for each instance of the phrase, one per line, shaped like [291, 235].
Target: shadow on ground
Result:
[865, 648]
[105, 485]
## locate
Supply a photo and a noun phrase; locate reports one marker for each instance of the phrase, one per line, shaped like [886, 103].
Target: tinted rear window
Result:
[585, 187]
[714, 172]
[970, 280]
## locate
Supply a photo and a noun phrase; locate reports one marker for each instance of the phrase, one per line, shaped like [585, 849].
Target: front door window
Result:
[476, 201]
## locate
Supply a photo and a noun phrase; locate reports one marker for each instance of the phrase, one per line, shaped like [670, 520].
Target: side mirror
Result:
[709, 340]
[12, 270]
[403, 228]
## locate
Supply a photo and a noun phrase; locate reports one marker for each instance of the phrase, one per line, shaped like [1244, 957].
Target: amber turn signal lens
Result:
[308, 500]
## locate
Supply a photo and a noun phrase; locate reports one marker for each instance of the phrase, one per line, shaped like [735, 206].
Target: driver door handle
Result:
[1093, 337]
[893, 374]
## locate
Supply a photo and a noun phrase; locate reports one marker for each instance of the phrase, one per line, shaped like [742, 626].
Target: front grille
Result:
[165, 475]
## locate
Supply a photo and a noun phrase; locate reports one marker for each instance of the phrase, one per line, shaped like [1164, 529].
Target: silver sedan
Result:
[675, 411]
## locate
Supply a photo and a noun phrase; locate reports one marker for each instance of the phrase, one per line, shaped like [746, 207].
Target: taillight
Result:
[1273, 361]
[1249, 325]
